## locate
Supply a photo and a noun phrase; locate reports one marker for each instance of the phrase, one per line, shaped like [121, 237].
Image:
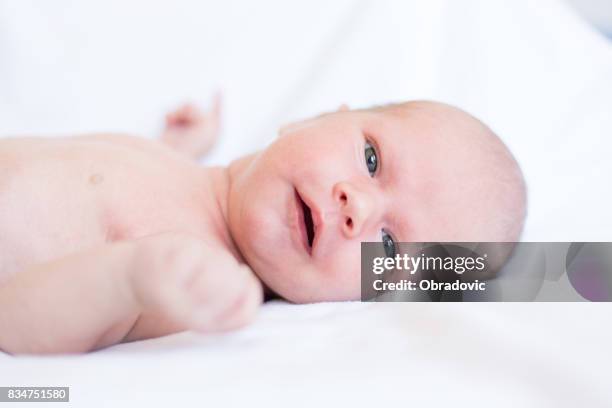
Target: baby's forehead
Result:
[449, 162]
[403, 128]
[433, 114]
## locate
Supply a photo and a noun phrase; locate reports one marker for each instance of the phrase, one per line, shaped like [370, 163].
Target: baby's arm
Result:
[72, 304]
[125, 291]
[188, 131]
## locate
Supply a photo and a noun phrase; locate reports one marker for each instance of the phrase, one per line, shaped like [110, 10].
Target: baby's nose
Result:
[356, 208]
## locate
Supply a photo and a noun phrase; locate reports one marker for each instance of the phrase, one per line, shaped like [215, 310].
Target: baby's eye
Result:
[388, 244]
[371, 158]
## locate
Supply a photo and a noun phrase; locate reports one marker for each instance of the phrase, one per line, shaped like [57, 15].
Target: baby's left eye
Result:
[389, 244]
[371, 158]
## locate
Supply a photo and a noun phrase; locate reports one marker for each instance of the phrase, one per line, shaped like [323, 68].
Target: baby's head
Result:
[410, 172]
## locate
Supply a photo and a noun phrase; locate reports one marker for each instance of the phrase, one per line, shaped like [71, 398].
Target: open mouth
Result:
[308, 223]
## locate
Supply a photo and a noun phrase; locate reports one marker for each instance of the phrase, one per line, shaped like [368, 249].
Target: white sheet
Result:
[352, 354]
[532, 70]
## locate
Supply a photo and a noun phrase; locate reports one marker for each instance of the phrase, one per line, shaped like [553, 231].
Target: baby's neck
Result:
[236, 170]
[221, 180]
[218, 180]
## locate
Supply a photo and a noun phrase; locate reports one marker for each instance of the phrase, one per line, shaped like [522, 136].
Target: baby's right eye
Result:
[371, 158]
[388, 244]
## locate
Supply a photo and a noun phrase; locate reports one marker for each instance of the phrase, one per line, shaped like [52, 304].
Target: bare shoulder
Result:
[126, 140]
[13, 149]
[30, 152]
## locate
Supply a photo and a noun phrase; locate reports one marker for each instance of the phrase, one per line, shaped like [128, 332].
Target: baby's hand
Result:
[192, 131]
[191, 285]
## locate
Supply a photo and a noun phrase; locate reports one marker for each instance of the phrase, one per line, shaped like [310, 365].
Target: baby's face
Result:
[300, 209]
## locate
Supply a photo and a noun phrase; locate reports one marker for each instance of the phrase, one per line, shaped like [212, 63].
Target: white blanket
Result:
[533, 70]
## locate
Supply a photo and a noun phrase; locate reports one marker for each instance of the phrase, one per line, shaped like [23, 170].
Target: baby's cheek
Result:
[342, 274]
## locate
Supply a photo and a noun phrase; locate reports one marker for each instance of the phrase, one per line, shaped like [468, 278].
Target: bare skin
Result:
[111, 238]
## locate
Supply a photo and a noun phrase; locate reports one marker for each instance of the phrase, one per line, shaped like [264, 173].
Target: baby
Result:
[109, 238]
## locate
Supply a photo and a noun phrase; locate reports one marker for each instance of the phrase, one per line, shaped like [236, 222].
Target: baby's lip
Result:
[301, 224]
[301, 199]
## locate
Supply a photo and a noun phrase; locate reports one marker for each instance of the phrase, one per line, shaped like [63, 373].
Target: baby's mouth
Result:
[307, 220]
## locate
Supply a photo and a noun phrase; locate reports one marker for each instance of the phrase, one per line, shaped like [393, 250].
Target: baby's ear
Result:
[343, 108]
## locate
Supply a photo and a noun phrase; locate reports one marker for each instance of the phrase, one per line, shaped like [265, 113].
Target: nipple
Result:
[96, 179]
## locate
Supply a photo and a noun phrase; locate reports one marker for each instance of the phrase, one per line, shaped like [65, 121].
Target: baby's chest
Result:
[44, 213]
[51, 208]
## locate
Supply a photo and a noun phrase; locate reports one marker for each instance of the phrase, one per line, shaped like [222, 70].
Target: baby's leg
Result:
[133, 289]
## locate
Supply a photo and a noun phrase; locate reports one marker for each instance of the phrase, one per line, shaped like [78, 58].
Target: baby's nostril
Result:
[343, 197]
[349, 222]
